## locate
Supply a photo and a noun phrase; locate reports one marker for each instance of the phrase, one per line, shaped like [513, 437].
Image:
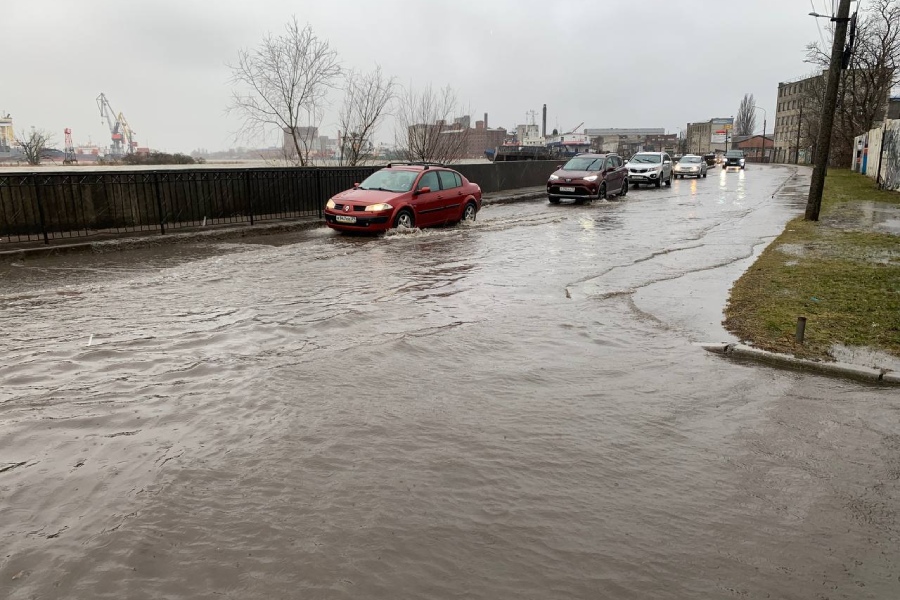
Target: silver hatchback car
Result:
[691, 165]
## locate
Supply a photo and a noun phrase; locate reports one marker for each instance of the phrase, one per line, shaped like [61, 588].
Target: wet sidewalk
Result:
[848, 212]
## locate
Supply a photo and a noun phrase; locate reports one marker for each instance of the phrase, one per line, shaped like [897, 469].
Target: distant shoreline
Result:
[222, 164]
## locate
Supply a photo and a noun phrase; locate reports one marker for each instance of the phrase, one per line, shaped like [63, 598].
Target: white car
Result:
[691, 165]
[650, 167]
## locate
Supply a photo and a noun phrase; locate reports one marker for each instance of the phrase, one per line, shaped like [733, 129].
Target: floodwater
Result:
[511, 409]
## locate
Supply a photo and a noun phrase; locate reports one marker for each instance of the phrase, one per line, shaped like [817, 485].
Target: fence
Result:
[878, 154]
[792, 157]
[47, 206]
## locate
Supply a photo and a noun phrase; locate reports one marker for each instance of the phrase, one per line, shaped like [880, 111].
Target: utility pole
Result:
[764, 139]
[823, 142]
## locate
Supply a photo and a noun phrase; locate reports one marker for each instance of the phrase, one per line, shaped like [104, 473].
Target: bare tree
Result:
[367, 97]
[745, 122]
[33, 144]
[425, 131]
[872, 71]
[281, 85]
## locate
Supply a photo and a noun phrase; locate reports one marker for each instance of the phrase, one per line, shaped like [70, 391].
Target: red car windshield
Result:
[388, 180]
[584, 163]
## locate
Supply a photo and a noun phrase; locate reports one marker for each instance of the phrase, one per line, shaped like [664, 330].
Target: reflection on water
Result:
[879, 216]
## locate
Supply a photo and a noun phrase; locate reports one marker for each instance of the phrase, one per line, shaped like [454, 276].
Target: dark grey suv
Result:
[734, 158]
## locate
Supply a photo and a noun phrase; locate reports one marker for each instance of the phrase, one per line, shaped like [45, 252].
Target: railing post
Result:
[37, 196]
[318, 188]
[159, 204]
[248, 194]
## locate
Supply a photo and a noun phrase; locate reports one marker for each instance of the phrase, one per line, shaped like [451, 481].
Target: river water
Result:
[515, 408]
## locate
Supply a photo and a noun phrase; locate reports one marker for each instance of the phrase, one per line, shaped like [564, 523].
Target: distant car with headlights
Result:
[691, 165]
[733, 158]
[588, 176]
[711, 159]
[404, 195]
[650, 167]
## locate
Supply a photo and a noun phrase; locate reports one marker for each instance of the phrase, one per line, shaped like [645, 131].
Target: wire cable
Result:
[812, 5]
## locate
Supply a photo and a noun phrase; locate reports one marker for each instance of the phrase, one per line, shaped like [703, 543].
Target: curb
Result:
[511, 199]
[154, 239]
[835, 369]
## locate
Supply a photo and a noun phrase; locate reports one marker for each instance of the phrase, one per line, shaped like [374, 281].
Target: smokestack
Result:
[485, 121]
[544, 123]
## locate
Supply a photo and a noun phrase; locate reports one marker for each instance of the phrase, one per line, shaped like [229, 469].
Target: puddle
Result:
[877, 256]
[870, 215]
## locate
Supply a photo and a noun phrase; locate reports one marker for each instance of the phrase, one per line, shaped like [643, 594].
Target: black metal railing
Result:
[58, 205]
[54, 206]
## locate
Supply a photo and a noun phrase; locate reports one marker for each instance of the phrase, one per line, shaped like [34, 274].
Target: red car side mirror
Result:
[424, 190]
[355, 185]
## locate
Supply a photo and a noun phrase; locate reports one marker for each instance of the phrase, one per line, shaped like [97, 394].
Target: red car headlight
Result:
[378, 207]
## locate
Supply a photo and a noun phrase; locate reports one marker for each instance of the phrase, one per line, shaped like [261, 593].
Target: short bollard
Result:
[801, 329]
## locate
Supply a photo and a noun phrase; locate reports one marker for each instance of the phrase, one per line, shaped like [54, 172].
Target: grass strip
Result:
[841, 273]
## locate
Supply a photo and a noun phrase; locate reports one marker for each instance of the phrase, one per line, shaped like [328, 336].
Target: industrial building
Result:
[627, 141]
[798, 112]
[457, 139]
[714, 135]
[793, 141]
[7, 134]
[307, 138]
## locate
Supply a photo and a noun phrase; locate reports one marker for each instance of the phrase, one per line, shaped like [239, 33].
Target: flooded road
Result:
[511, 409]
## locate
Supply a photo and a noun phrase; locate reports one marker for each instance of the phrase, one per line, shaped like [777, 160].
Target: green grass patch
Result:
[839, 273]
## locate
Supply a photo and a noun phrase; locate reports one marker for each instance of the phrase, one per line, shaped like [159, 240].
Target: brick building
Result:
[483, 138]
[456, 139]
[756, 147]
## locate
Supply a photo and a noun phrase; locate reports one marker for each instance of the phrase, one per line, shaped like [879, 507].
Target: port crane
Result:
[121, 134]
[574, 129]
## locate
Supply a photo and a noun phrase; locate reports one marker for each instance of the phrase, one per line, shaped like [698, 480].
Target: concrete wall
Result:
[880, 148]
[497, 177]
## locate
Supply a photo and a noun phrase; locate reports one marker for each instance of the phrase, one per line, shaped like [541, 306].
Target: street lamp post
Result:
[765, 118]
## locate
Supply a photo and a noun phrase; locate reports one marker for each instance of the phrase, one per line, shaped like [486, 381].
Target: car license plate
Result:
[566, 189]
[344, 219]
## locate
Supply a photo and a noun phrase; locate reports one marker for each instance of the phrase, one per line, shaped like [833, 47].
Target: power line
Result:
[812, 5]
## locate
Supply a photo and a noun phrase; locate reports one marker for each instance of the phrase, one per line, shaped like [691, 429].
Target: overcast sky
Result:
[606, 63]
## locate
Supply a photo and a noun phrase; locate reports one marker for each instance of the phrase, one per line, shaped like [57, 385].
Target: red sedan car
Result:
[405, 195]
